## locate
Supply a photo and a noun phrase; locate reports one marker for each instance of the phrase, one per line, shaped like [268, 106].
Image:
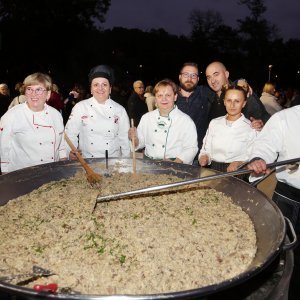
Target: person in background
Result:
[279, 141]
[136, 105]
[21, 98]
[296, 97]
[99, 123]
[269, 100]
[55, 99]
[76, 94]
[228, 137]
[4, 98]
[218, 77]
[31, 133]
[150, 98]
[192, 99]
[166, 132]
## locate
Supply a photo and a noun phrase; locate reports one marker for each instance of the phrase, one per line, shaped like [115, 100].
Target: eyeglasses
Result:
[38, 91]
[190, 75]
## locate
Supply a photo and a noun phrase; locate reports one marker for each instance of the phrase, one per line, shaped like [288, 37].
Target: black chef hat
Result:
[104, 71]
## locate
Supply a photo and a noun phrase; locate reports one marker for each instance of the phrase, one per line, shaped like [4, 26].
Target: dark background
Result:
[66, 39]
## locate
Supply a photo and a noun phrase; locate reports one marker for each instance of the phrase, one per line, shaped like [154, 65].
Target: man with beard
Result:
[218, 78]
[193, 99]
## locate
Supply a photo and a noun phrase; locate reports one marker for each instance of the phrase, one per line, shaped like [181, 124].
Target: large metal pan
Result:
[269, 223]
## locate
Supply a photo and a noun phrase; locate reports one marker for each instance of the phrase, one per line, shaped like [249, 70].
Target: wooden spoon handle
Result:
[77, 153]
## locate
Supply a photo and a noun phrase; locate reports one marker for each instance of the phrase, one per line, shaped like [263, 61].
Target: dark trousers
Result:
[222, 167]
[287, 199]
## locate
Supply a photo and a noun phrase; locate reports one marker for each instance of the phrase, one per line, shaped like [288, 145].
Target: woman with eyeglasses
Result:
[99, 123]
[31, 133]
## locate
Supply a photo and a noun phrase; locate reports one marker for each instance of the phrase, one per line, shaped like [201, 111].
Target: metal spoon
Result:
[106, 173]
[186, 182]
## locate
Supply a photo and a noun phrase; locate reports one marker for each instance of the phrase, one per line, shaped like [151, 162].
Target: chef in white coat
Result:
[31, 133]
[166, 133]
[99, 123]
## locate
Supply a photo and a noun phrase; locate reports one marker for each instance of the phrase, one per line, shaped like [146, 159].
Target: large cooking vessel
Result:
[269, 223]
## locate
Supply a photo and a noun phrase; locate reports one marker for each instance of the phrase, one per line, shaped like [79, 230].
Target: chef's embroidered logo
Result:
[84, 117]
[161, 124]
[116, 119]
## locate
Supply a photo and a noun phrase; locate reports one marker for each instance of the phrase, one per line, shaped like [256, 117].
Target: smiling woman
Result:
[166, 133]
[99, 123]
[31, 133]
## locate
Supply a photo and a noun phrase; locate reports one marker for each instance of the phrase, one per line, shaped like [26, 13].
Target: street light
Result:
[270, 69]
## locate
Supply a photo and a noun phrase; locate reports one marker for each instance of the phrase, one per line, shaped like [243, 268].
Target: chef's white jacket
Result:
[95, 127]
[30, 138]
[228, 141]
[280, 137]
[168, 137]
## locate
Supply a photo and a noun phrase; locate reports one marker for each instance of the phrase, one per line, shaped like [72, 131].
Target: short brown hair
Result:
[236, 88]
[164, 83]
[189, 64]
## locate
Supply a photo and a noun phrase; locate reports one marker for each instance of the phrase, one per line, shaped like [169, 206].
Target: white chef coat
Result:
[168, 137]
[30, 138]
[280, 137]
[95, 127]
[228, 141]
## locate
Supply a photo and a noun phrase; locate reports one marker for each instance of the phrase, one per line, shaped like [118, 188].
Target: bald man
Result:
[217, 77]
[136, 105]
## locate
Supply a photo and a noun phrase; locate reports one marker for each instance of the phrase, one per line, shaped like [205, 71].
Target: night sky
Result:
[172, 15]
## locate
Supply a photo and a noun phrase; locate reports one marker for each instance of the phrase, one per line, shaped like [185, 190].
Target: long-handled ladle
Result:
[186, 182]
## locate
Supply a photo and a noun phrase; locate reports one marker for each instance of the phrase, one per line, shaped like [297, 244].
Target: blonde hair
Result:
[55, 88]
[164, 83]
[38, 78]
[269, 88]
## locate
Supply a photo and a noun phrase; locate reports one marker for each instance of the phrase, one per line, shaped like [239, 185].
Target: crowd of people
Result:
[220, 125]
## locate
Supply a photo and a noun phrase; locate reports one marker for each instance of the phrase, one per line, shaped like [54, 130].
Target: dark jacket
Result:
[253, 108]
[4, 104]
[296, 101]
[136, 108]
[196, 106]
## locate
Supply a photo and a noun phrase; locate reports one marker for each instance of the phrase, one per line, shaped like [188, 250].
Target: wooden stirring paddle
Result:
[93, 178]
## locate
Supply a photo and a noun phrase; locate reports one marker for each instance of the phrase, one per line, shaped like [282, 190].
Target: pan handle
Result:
[292, 244]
